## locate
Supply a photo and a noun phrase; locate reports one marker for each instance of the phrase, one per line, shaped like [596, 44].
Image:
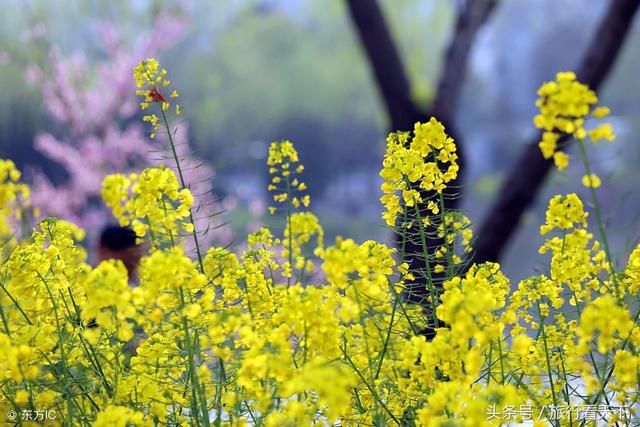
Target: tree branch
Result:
[529, 171]
[394, 86]
[473, 16]
[384, 58]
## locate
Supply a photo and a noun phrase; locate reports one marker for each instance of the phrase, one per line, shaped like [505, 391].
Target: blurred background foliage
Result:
[253, 71]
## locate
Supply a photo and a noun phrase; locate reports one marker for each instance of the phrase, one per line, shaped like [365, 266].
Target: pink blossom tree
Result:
[94, 104]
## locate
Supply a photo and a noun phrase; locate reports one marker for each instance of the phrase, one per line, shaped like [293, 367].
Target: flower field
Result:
[297, 331]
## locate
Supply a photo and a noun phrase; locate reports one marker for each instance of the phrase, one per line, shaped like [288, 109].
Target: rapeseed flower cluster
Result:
[152, 84]
[454, 230]
[14, 197]
[296, 331]
[564, 212]
[565, 104]
[426, 161]
[284, 165]
[151, 202]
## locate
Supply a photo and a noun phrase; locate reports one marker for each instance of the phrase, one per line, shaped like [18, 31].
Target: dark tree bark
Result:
[528, 173]
[389, 72]
[384, 58]
[394, 87]
[472, 17]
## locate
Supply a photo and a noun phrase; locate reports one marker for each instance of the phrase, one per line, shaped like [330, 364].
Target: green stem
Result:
[289, 228]
[430, 285]
[489, 362]
[403, 249]
[610, 372]
[386, 341]
[13, 300]
[448, 247]
[371, 389]
[546, 352]
[598, 213]
[192, 370]
[63, 358]
[4, 321]
[501, 358]
[184, 186]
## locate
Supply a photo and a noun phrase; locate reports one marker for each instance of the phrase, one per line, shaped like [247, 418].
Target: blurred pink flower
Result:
[32, 74]
[34, 32]
[5, 58]
[96, 105]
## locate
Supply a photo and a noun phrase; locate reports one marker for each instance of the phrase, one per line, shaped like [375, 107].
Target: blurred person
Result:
[121, 243]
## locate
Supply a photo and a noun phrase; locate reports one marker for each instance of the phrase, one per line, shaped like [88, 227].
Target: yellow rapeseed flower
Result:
[425, 162]
[151, 80]
[591, 181]
[284, 165]
[151, 202]
[565, 104]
